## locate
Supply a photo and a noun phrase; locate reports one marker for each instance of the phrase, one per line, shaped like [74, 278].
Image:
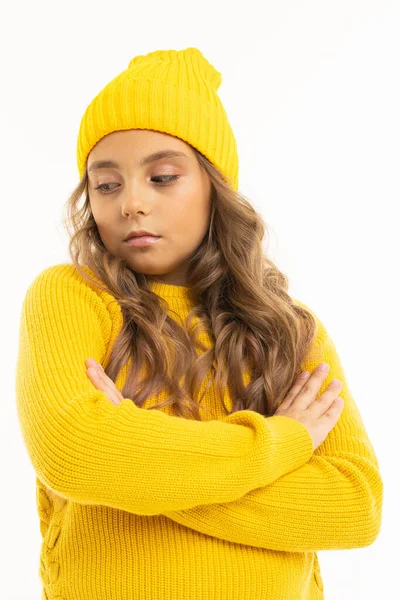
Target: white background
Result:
[312, 91]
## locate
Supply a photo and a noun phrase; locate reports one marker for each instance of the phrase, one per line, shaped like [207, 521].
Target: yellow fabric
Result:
[173, 91]
[138, 504]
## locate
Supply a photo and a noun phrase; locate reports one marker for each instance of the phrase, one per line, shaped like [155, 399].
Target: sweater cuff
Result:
[291, 444]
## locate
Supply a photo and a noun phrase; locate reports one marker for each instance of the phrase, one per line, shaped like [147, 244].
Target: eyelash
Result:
[171, 178]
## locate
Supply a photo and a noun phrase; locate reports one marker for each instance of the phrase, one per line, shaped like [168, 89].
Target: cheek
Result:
[191, 223]
[103, 217]
[106, 227]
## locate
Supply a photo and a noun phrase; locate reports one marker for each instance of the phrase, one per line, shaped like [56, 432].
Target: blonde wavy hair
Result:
[241, 300]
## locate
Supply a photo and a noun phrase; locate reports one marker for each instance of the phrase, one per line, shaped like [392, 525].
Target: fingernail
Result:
[323, 367]
[304, 374]
[336, 382]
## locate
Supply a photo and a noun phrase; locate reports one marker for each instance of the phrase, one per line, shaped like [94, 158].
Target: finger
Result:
[109, 383]
[299, 383]
[105, 384]
[90, 362]
[310, 389]
[336, 407]
[94, 376]
[327, 399]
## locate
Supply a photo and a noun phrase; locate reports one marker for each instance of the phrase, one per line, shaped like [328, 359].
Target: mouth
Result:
[142, 240]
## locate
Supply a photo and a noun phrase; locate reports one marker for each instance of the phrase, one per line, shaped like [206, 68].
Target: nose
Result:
[134, 200]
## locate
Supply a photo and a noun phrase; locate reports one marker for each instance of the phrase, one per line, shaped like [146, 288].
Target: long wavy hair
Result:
[240, 298]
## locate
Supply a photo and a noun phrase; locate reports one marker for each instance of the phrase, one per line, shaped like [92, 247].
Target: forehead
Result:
[133, 145]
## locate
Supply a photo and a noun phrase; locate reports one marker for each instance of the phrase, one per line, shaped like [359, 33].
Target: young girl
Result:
[179, 452]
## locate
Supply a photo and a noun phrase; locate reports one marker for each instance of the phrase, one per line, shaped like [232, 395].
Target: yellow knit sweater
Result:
[138, 504]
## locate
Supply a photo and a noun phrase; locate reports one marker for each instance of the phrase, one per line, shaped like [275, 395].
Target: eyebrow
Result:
[103, 164]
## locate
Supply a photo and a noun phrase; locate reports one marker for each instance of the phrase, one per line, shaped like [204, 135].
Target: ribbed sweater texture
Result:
[138, 504]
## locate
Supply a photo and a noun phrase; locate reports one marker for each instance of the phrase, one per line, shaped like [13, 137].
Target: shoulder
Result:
[62, 281]
[62, 272]
[323, 348]
[321, 335]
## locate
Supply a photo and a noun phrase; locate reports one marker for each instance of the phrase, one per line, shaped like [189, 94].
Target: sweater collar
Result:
[169, 291]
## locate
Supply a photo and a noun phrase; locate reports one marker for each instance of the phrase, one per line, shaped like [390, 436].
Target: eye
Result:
[171, 178]
[101, 186]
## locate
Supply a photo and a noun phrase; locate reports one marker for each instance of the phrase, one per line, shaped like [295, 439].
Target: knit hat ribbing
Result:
[173, 91]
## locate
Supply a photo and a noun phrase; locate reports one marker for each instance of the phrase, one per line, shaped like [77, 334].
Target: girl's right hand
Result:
[319, 415]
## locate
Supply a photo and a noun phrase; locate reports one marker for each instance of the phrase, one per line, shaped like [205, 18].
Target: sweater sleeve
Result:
[91, 451]
[332, 502]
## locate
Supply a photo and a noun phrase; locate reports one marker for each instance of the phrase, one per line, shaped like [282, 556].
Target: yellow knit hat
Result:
[173, 91]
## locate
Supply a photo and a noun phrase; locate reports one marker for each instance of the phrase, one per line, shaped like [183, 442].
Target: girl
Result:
[179, 452]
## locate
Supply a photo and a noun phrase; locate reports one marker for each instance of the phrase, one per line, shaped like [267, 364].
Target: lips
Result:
[142, 240]
[140, 233]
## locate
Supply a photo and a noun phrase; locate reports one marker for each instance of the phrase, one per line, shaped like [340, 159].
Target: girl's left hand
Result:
[102, 382]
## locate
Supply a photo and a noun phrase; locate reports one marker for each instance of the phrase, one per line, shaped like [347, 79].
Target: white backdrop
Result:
[312, 91]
